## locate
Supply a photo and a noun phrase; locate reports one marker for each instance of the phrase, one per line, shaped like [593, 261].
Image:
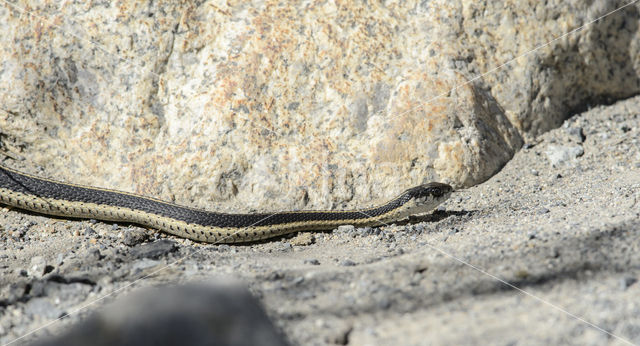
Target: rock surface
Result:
[567, 234]
[275, 105]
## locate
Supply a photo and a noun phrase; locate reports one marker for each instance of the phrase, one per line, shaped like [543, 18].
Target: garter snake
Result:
[45, 196]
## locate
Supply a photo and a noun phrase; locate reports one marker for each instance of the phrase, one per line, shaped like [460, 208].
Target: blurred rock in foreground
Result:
[202, 314]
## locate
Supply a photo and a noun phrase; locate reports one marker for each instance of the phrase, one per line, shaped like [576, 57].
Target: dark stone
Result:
[154, 250]
[134, 237]
[348, 263]
[221, 314]
[627, 281]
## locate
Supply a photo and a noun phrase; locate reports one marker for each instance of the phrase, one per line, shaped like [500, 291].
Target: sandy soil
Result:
[545, 252]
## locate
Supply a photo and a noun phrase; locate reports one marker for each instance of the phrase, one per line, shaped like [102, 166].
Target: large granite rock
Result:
[271, 105]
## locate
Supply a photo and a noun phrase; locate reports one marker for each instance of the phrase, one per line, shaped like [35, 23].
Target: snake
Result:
[50, 197]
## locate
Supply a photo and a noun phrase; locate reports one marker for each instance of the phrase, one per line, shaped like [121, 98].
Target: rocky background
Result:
[270, 106]
[277, 105]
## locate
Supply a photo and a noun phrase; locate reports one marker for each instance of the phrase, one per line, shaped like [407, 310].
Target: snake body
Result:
[29, 192]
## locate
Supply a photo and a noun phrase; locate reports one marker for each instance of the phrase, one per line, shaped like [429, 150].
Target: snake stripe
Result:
[51, 197]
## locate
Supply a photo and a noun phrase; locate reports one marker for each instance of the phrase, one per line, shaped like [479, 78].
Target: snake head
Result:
[422, 199]
[431, 192]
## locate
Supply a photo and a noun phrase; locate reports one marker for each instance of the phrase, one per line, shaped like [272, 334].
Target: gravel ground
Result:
[545, 252]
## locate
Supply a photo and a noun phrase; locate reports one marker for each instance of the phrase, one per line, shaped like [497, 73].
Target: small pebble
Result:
[542, 211]
[94, 254]
[88, 231]
[42, 308]
[347, 263]
[312, 261]
[154, 250]
[275, 275]
[384, 304]
[134, 237]
[37, 267]
[626, 282]
[575, 133]
[302, 239]
[559, 154]
[340, 335]
[346, 228]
